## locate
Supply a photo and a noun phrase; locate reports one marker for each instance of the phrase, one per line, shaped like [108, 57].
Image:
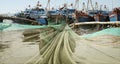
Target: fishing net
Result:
[63, 46]
[56, 46]
[104, 49]
[59, 44]
[10, 27]
[109, 31]
[4, 26]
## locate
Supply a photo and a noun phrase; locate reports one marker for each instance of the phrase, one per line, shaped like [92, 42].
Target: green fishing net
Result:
[64, 46]
[8, 26]
[56, 42]
[4, 26]
[59, 44]
[56, 46]
[109, 31]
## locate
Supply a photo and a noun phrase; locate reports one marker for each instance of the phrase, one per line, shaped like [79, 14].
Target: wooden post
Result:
[98, 25]
[57, 17]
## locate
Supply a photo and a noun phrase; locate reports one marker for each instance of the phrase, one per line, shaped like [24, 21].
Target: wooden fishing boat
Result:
[83, 17]
[37, 13]
[101, 17]
[115, 15]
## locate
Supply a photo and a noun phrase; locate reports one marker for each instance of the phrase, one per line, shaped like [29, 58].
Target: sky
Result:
[14, 6]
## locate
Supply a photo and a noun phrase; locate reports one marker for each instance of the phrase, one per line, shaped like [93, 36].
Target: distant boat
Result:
[84, 17]
[63, 14]
[37, 14]
[115, 15]
[101, 17]
[68, 13]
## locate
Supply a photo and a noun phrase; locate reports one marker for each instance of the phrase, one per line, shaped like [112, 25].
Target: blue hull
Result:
[42, 21]
[85, 19]
[113, 18]
[119, 17]
[102, 18]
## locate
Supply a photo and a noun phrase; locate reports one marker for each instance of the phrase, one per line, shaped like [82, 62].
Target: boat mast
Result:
[29, 7]
[89, 3]
[84, 7]
[48, 5]
[105, 8]
[38, 4]
[96, 5]
[77, 5]
[101, 7]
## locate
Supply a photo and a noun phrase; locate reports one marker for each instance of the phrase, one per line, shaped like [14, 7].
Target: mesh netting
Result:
[59, 44]
[10, 27]
[109, 31]
[65, 47]
[4, 26]
[56, 46]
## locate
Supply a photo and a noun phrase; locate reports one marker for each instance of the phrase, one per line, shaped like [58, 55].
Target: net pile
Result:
[61, 45]
[56, 47]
